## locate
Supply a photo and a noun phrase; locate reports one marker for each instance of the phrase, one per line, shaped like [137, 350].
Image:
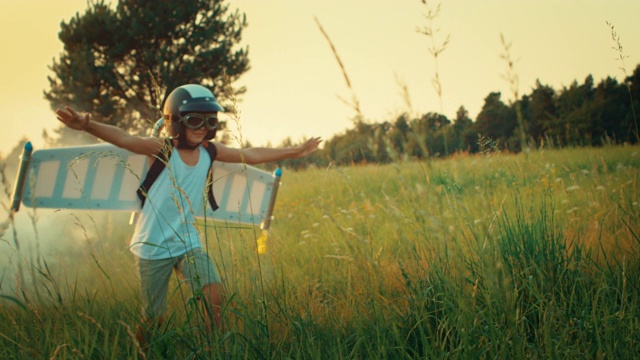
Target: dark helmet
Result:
[189, 99]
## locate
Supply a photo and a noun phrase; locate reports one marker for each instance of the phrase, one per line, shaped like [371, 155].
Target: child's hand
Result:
[73, 119]
[308, 147]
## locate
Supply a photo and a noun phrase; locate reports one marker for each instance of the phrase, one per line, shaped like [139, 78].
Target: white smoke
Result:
[50, 245]
[40, 245]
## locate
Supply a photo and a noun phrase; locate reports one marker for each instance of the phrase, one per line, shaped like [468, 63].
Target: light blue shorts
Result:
[195, 267]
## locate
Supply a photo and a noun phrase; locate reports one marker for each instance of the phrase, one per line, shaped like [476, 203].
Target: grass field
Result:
[488, 256]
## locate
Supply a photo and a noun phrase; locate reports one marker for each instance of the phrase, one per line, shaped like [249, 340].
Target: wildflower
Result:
[545, 181]
[573, 188]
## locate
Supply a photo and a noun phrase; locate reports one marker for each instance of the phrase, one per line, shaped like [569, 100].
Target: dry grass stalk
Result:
[514, 82]
[435, 49]
[621, 56]
[355, 103]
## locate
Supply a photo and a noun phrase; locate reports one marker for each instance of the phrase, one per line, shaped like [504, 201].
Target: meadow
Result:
[494, 255]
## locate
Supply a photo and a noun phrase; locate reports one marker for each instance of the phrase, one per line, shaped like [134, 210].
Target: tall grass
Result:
[486, 256]
[436, 48]
[511, 76]
[620, 58]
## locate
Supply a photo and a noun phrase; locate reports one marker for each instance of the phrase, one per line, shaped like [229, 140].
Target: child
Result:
[165, 238]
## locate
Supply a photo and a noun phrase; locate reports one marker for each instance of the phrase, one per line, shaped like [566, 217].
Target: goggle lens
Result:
[196, 121]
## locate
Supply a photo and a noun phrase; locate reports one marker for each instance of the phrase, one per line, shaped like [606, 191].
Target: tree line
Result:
[581, 114]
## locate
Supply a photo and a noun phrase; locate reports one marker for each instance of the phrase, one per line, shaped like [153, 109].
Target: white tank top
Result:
[166, 225]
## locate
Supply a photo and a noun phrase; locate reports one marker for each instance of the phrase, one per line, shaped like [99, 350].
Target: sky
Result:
[296, 88]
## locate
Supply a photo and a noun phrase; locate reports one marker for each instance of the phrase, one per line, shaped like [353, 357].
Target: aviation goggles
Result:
[196, 121]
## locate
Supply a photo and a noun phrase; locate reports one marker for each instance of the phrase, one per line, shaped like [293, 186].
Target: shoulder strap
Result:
[213, 153]
[162, 158]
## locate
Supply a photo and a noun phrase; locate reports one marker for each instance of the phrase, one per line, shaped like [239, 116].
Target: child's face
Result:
[197, 125]
[196, 136]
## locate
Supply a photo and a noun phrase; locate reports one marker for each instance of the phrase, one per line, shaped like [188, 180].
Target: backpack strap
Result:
[162, 158]
[213, 153]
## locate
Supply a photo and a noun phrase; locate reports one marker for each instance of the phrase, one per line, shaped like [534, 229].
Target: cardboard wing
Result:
[106, 177]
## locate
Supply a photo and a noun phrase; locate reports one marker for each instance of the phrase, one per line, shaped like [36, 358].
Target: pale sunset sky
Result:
[295, 84]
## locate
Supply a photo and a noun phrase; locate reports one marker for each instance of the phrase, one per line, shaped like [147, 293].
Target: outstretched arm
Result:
[259, 155]
[108, 133]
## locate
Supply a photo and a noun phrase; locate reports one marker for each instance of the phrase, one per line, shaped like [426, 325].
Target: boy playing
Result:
[165, 238]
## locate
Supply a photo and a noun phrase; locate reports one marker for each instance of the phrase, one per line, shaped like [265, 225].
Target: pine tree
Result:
[119, 63]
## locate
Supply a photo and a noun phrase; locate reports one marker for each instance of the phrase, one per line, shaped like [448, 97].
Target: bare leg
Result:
[144, 331]
[214, 298]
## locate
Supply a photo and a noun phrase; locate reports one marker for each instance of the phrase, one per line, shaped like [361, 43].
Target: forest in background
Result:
[582, 114]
